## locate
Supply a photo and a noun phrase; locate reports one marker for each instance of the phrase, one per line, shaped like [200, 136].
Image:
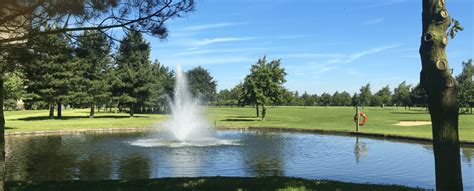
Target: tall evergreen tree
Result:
[134, 78]
[50, 72]
[93, 56]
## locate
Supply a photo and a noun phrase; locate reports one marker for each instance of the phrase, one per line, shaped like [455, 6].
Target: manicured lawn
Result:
[380, 120]
[21, 121]
[206, 183]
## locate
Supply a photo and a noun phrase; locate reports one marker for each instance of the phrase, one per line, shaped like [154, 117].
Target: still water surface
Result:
[256, 153]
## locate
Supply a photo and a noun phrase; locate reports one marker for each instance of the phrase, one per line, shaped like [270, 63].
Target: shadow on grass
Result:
[407, 112]
[39, 118]
[240, 119]
[9, 128]
[204, 183]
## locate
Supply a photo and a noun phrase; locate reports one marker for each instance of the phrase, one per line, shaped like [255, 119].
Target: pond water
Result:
[252, 153]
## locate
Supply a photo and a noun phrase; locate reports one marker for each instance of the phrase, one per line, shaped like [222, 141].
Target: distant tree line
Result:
[84, 72]
[404, 95]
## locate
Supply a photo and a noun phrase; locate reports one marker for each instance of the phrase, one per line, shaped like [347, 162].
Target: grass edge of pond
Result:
[206, 183]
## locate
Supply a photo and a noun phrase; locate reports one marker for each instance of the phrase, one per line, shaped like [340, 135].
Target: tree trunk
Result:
[441, 88]
[264, 112]
[2, 137]
[131, 109]
[256, 108]
[60, 109]
[51, 110]
[91, 114]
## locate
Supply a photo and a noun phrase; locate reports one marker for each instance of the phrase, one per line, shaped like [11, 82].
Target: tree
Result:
[202, 84]
[134, 85]
[13, 89]
[92, 54]
[365, 95]
[355, 100]
[382, 97]
[466, 86]
[418, 96]
[325, 99]
[441, 88]
[162, 87]
[264, 84]
[401, 94]
[50, 73]
[23, 20]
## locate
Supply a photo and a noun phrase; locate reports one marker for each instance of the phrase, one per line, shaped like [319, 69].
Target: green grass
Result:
[380, 120]
[23, 121]
[205, 183]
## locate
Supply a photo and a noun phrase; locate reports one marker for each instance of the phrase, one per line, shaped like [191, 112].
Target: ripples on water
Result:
[232, 153]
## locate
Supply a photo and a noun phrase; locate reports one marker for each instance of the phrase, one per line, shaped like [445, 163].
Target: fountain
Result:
[187, 125]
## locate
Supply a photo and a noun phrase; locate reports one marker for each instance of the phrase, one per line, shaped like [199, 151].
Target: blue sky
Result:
[324, 45]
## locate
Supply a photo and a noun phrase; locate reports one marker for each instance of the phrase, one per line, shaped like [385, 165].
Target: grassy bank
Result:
[24, 121]
[380, 121]
[205, 183]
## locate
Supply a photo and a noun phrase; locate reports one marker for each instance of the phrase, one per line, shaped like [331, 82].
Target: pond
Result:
[253, 153]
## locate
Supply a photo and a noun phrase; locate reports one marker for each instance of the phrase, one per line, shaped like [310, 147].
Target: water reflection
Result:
[263, 155]
[110, 156]
[360, 150]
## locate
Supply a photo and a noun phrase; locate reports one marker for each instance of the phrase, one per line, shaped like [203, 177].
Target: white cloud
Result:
[374, 21]
[208, 41]
[211, 26]
[214, 51]
[329, 62]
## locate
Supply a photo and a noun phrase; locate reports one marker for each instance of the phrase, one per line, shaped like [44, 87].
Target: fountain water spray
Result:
[187, 125]
[187, 121]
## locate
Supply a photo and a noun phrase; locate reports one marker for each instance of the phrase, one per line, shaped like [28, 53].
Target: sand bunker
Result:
[413, 123]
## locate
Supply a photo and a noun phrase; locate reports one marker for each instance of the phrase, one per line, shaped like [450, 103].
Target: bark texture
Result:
[2, 137]
[441, 88]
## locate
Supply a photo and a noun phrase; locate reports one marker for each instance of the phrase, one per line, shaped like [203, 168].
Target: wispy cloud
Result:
[383, 3]
[212, 26]
[311, 55]
[200, 61]
[358, 55]
[329, 62]
[214, 51]
[208, 41]
[374, 21]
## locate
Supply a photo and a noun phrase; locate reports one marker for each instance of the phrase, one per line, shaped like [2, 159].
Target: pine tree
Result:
[93, 57]
[134, 78]
[50, 71]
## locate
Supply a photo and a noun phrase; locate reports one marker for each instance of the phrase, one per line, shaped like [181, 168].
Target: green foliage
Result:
[51, 70]
[466, 85]
[454, 28]
[365, 95]
[93, 58]
[382, 97]
[401, 95]
[162, 87]
[418, 96]
[133, 84]
[13, 89]
[264, 85]
[201, 84]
